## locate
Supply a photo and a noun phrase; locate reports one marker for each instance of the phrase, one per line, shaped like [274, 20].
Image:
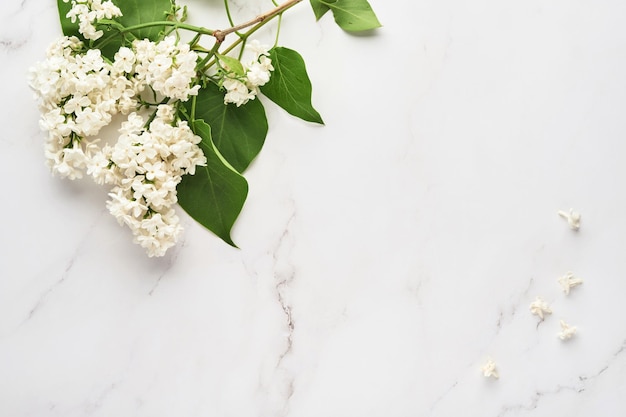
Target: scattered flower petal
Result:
[540, 308]
[489, 369]
[567, 331]
[572, 217]
[569, 281]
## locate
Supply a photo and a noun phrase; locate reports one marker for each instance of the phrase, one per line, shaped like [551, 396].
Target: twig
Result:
[220, 35]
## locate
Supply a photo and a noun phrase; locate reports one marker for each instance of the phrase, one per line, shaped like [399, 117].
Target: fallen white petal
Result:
[539, 308]
[489, 369]
[572, 217]
[567, 331]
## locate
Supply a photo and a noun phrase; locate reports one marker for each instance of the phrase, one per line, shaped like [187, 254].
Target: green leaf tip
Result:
[215, 195]
[319, 9]
[350, 15]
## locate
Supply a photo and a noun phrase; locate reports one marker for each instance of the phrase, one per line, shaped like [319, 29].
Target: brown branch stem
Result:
[220, 35]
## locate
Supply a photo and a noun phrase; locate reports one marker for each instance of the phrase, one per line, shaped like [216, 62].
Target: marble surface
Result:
[384, 257]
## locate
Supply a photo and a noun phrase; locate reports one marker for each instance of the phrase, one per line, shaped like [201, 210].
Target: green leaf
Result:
[238, 132]
[69, 28]
[319, 9]
[232, 64]
[353, 15]
[289, 85]
[135, 12]
[215, 194]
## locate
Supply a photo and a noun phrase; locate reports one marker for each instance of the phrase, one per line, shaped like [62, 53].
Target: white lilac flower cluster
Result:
[78, 95]
[146, 165]
[79, 92]
[242, 88]
[87, 12]
[167, 66]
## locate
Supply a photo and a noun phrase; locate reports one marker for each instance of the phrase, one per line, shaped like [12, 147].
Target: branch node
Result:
[219, 35]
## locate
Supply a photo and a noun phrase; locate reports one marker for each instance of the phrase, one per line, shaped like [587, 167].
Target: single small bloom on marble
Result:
[567, 331]
[569, 281]
[540, 308]
[572, 217]
[489, 369]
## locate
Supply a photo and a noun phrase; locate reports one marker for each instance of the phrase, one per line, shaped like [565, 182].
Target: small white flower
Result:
[76, 104]
[568, 281]
[489, 369]
[124, 60]
[87, 12]
[237, 92]
[257, 48]
[90, 121]
[539, 308]
[109, 10]
[567, 331]
[166, 113]
[572, 217]
[258, 75]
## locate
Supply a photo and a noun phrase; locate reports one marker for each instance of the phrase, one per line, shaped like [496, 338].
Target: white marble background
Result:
[384, 257]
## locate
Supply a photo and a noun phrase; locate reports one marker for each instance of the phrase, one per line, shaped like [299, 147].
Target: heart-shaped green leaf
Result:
[237, 132]
[215, 194]
[289, 85]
